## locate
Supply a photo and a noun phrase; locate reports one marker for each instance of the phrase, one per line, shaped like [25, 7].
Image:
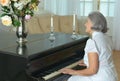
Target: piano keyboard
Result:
[53, 74]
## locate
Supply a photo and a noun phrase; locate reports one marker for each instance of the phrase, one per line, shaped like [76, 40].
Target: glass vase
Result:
[21, 32]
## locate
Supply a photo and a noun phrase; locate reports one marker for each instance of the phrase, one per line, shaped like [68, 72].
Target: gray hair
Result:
[99, 22]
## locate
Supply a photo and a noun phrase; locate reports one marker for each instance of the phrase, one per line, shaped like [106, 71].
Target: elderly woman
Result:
[98, 53]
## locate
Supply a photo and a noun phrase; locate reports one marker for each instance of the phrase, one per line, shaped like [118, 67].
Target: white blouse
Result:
[101, 44]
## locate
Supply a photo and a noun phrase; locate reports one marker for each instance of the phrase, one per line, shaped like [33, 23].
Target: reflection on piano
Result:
[40, 61]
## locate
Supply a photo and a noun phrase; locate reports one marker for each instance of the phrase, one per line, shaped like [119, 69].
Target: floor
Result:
[116, 58]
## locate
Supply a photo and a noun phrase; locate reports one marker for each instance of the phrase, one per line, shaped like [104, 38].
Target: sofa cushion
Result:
[45, 23]
[41, 24]
[66, 24]
[56, 23]
[33, 25]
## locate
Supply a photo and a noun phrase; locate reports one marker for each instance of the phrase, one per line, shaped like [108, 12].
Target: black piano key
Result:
[58, 66]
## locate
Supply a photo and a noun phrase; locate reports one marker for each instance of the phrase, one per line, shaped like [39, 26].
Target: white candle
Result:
[51, 23]
[73, 21]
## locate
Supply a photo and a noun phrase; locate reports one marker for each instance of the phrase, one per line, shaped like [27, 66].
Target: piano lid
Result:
[37, 43]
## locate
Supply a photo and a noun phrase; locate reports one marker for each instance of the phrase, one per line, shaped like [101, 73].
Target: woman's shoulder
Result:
[90, 41]
[91, 46]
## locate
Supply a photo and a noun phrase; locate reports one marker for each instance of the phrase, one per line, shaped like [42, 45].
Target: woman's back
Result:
[106, 66]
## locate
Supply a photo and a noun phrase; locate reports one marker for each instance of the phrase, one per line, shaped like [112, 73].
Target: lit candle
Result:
[73, 21]
[51, 23]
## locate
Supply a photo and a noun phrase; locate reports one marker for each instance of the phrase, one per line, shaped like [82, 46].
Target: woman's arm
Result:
[90, 70]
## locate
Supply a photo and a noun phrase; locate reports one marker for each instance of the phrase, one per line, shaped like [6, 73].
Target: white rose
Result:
[6, 20]
[14, 0]
[19, 6]
[16, 5]
[25, 2]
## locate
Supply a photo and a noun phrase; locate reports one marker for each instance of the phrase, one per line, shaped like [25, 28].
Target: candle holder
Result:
[74, 35]
[52, 36]
[52, 43]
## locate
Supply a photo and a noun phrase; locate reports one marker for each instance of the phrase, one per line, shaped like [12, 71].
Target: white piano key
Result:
[57, 72]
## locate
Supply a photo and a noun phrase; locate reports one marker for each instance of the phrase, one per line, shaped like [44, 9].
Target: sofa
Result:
[41, 24]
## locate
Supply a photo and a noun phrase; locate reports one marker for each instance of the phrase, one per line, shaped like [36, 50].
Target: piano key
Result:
[57, 66]
[53, 74]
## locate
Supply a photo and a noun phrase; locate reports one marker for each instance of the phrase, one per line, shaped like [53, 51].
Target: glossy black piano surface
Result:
[39, 56]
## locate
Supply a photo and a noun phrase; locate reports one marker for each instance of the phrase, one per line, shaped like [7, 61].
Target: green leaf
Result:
[33, 1]
[1, 15]
[16, 23]
[5, 9]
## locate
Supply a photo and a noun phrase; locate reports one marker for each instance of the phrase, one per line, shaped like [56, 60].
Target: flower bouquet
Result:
[13, 9]
[15, 12]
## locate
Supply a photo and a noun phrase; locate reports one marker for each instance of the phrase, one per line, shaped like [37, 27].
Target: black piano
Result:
[39, 59]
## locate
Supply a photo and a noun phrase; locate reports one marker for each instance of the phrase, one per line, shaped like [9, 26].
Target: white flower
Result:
[19, 6]
[25, 2]
[6, 20]
[14, 0]
[13, 9]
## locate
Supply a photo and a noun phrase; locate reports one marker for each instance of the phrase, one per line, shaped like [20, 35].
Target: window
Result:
[86, 6]
[104, 6]
[83, 7]
[107, 7]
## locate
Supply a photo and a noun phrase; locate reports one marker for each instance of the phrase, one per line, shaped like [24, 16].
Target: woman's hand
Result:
[68, 71]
